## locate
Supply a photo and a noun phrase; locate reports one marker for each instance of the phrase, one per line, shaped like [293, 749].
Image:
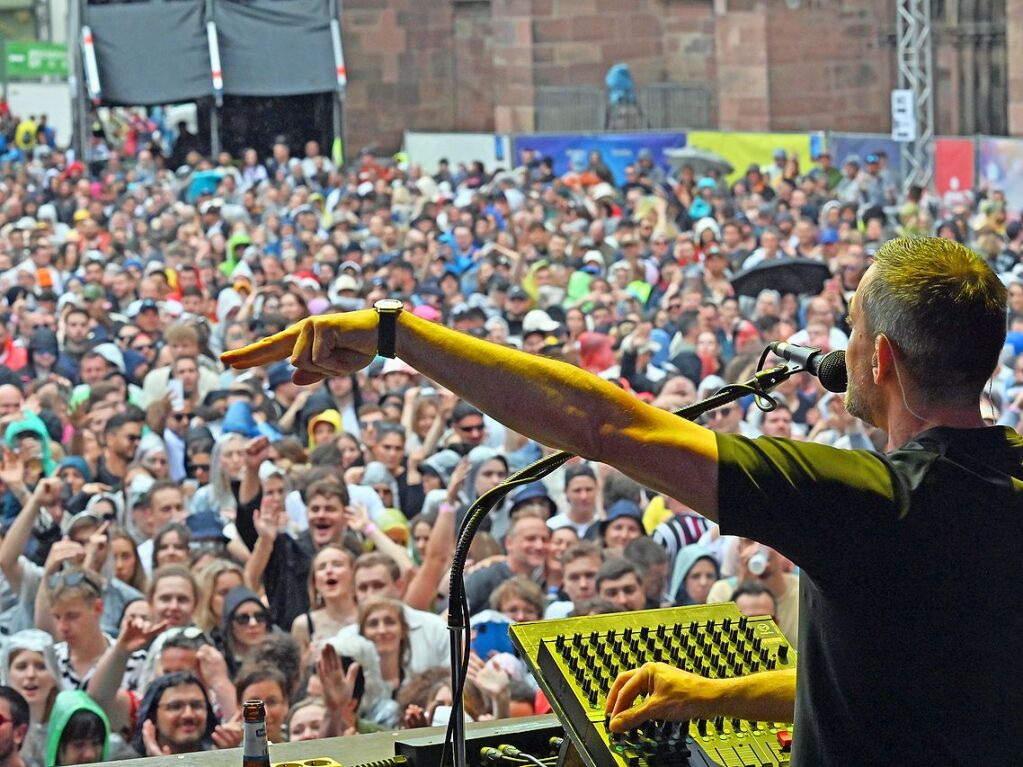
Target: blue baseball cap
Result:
[623, 508]
[205, 526]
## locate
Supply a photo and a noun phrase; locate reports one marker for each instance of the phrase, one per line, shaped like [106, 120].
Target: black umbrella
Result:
[803, 276]
[702, 161]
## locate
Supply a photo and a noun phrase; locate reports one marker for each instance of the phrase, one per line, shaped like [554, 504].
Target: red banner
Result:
[954, 167]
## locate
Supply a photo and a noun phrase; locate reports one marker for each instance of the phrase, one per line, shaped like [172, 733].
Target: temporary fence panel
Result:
[50, 99]
[571, 152]
[571, 108]
[671, 106]
[659, 106]
[426, 149]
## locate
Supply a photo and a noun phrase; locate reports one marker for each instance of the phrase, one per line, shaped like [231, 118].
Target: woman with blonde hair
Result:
[331, 597]
[226, 464]
[29, 666]
[215, 580]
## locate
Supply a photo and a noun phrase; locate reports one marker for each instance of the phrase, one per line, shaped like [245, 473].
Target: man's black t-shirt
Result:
[910, 636]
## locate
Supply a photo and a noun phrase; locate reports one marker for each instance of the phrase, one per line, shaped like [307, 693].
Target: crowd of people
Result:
[179, 536]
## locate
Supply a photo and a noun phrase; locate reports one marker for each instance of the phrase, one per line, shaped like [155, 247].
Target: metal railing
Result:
[660, 106]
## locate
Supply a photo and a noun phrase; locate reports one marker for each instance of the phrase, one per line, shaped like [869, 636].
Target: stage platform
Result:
[355, 750]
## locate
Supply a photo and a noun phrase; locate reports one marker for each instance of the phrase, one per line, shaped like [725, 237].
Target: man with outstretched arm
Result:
[904, 654]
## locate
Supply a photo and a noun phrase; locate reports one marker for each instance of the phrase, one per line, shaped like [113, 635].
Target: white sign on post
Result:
[903, 115]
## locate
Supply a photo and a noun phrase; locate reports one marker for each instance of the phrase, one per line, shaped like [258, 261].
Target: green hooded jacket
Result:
[68, 703]
[238, 242]
[30, 422]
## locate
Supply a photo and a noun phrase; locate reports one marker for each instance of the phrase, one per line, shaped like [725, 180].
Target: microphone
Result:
[828, 368]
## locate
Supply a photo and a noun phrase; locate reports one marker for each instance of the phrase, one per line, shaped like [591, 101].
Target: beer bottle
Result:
[255, 752]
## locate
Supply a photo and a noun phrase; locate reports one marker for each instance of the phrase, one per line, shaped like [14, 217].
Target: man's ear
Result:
[883, 361]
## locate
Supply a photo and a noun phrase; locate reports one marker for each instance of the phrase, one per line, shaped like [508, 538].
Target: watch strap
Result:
[386, 331]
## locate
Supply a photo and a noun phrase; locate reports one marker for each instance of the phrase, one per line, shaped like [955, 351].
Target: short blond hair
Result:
[943, 307]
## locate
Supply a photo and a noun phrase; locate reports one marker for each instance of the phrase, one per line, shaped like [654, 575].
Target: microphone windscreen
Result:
[832, 372]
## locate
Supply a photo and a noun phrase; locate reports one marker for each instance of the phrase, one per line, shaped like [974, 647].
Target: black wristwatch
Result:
[387, 310]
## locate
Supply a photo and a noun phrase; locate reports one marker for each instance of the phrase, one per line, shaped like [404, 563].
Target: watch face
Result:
[388, 305]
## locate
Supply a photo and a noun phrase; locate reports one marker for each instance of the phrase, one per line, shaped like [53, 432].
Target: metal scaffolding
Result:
[915, 60]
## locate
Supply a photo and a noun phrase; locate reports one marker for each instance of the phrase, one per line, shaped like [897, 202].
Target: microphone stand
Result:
[458, 608]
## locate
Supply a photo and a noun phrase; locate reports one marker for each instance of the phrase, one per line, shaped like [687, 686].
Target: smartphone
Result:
[491, 638]
[177, 392]
[441, 716]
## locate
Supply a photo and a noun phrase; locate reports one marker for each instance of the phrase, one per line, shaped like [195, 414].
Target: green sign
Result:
[30, 60]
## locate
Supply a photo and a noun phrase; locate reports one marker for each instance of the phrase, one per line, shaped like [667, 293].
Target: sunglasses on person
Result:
[195, 468]
[182, 416]
[72, 579]
[188, 632]
[721, 412]
[473, 427]
[246, 619]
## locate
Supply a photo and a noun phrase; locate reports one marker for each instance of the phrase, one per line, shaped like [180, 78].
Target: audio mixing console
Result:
[576, 660]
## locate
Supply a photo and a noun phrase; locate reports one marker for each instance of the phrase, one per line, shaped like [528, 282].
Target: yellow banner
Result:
[745, 149]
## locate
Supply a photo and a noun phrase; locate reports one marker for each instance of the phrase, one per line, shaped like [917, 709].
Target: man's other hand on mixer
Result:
[671, 694]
